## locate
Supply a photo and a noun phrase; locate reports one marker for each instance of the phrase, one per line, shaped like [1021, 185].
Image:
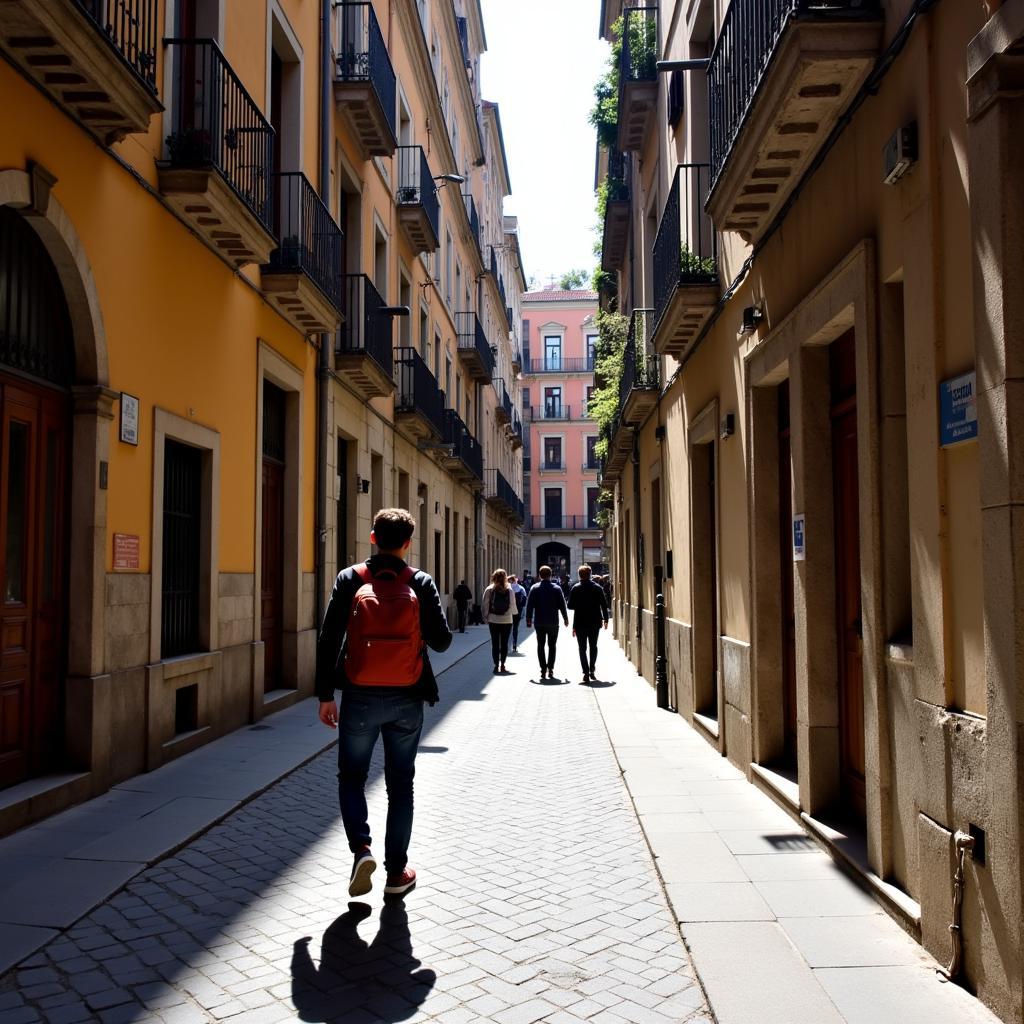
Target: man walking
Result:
[545, 604]
[519, 596]
[463, 595]
[381, 615]
[587, 601]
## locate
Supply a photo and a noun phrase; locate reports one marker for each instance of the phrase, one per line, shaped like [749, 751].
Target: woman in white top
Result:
[499, 606]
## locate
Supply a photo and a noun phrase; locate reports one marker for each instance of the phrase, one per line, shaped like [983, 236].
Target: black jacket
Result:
[330, 648]
[545, 603]
[462, 594]
[589, 606]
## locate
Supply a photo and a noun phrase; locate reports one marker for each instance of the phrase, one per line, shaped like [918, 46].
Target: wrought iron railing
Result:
[471, 336]
[417, 390]
[365, 329]
[552, 466]
[130, 26]
[641, 368]
[558, 411]
[517, 425]
[310, 239]
[744, 49]
[500, 489]
[618, 177]
[685, 250]
[360, 54]
[217, 124]
[416, 184]
[560, 522]
[506, 402]
[560, 365]
[638, 56]
[464, 445]
[474, 218]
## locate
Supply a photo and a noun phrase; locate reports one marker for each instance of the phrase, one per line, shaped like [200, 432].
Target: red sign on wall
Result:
[126, 551]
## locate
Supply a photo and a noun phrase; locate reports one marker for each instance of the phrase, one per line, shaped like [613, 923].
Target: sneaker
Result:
[363, 867]
[495, 668]
[503, 669]
[398, 885]
[586, 677]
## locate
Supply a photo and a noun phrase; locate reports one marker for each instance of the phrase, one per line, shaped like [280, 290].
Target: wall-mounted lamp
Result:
[752, 316]
[900, 153]
[393, 311]
[659, 433]
[697, 64]
[440, 180]
[727, 426]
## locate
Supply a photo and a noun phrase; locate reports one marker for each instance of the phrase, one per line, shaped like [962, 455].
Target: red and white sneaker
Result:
[398, 885]
[362, 869]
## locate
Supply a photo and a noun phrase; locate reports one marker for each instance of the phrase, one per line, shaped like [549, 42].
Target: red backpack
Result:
[384, 644]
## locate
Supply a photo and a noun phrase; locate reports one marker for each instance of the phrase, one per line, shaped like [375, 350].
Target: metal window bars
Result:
[130, 26]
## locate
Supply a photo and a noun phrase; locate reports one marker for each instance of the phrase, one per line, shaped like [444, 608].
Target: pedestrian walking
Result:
[544, 605]
[463, 595]
[590, 609]
[520, 597]
[381, 617]
[499, 610]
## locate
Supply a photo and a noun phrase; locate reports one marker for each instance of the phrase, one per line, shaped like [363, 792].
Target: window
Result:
[592, 493]
[424, 336]
[448, 266]
[591, 351]
[437, 355]
[447, 378]
[591, 453]
[182, 508]
[552, 453]
[552, 403]
[552, 352]
[676, 97]
[553, 508]
[526, 398]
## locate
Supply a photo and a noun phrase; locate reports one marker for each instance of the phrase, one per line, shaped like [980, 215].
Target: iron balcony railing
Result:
[310, 239]
[499, 488]
[361, 54]
[471, 335]
[366, 329]
[556, 412]
[591, 465]
[130, 27]
[552, 467]
[641, 368]
[504, 401]
[217, 124]
[417, 390]
[560, 522]
[560, 365]
[743, 52]
[416, 184]
[685, 250]
[638, 56]
[474, 218]
[517, 425]
[618, 176]
[464, 445]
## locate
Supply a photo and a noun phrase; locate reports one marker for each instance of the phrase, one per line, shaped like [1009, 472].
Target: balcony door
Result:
[553, 353]
[553, 508]
[552, 403]
[272, 548]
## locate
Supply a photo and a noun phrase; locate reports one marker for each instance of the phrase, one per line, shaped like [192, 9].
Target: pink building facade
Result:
[560, 468]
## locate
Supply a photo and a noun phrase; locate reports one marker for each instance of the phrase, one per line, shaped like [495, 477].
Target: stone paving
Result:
[538, 898]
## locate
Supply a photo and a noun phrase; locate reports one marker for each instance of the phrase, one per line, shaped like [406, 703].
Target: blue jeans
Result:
[399, 721]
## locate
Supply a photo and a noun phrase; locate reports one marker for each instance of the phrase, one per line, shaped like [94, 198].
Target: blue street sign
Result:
[958, 410]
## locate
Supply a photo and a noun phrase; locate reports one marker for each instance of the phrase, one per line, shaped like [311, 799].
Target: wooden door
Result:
[34, 429]
[787, 606]
[272, 568]
[847, 561]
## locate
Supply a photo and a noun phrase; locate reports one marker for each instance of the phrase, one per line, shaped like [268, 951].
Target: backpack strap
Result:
[407, 575]
[363, 572]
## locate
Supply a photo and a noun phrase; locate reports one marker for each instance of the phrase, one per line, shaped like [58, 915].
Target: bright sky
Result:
[543, 59]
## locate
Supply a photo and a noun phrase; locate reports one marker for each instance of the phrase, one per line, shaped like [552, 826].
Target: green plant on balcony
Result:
[643, 47]
[694, 267]
[605, 510]
[612, 329]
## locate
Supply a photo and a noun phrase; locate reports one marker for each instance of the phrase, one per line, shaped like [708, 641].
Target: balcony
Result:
[302, 277]
[516, 431]
[501, 495]
[218, 176]
[474, 221]
[503, 409]
[418, 209]
[560, 522]
[559, 365]
[564, 413]
[363, 354]
[781, 75]
[419, 404]
[474, 351]
[517, 359]
[685, 264]
[462, 457]
[620, 447]
[618, 207]
[364, 79]
[638, 76]
[591, 465]
[640, 382]
[549, 466]
[96, 58]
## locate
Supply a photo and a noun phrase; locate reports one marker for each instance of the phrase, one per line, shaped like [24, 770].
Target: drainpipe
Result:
[963, 843]
[323, 369]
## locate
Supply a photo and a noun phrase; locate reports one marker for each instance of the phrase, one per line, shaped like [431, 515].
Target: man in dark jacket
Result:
[463, 595]
[590, 609]
[545, 603]
[395, 713]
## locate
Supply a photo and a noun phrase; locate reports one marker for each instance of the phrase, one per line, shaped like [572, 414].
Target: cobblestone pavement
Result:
[538, 899]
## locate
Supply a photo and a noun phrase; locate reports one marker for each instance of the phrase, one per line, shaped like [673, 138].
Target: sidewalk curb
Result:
[202, 830]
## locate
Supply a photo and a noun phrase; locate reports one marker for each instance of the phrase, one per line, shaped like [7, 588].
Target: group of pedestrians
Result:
[382, 617]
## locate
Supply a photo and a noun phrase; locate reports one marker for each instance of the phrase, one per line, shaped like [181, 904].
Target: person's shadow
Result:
[381, 978]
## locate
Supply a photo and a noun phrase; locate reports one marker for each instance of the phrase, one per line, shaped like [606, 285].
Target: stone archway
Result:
[87, 689]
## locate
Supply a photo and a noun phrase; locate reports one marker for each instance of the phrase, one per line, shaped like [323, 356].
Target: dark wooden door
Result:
[847, 558]
[272, 565]
[787, 607]
[34, 427]
[712, 581]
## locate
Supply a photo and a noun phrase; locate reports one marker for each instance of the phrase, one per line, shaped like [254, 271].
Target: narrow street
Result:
[539, 806]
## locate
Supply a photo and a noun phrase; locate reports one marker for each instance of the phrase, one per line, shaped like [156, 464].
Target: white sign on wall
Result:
[799, 538]
[129, 418]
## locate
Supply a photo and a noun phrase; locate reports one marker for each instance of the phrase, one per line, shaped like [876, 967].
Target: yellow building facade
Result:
[223, 237]
[812, 459]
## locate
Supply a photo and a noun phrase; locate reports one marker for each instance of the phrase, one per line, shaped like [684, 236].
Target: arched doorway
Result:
[556, 555]
[36, 373]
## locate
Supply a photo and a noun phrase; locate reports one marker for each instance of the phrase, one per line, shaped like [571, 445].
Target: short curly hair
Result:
[392, 527]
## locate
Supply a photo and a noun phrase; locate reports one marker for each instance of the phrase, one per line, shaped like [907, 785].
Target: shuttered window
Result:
[183, 477]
